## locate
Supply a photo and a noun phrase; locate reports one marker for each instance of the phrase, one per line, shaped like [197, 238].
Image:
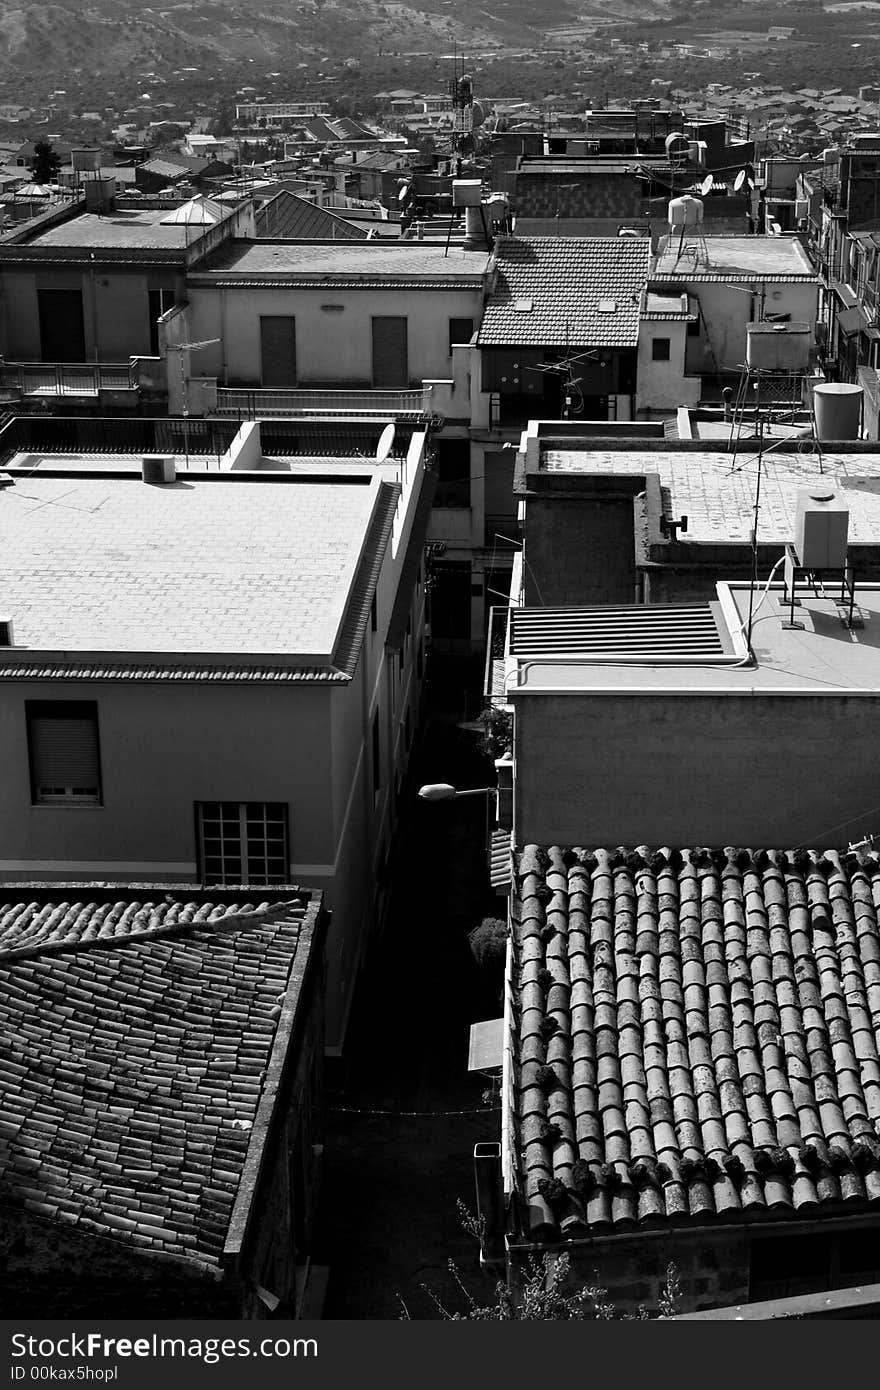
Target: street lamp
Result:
[184, 387]
[442, 791]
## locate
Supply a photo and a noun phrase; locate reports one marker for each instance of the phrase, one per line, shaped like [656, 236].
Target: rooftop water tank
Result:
[685, 211]
[779, 347]
[837, 406]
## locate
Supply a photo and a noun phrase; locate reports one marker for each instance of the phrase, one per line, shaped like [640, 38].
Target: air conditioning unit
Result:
[159, 468]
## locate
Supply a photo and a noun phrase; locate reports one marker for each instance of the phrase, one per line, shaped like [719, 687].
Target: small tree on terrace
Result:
[45, 163]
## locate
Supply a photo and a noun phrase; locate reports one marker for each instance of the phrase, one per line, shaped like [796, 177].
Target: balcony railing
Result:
[64, 434]
[67, 378]
[252, 403]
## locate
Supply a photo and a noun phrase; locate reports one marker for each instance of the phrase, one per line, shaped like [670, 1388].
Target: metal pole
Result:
[185, 412]
[754, 583]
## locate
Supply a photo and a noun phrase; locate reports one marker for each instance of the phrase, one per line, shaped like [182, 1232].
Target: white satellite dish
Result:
[386, 440]
[739, 180]
[706, 185]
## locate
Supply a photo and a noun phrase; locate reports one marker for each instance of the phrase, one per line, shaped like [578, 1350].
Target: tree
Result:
[45, 162]
[541, 1295]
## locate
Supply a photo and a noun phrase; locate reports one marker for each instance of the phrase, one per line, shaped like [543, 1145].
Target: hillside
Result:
[44, 45]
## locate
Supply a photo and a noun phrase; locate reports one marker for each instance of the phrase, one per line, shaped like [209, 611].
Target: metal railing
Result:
[67, 378]
[251, 403]
[67, 434]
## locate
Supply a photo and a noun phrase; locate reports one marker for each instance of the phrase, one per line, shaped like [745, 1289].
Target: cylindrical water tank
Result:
[838, 409]
[685, 211]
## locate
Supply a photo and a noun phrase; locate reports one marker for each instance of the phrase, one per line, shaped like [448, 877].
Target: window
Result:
[64, 754]
[453, 457]
[660, 349]
[377, 754]
[460, 331]
[451, 600]
[243, 842]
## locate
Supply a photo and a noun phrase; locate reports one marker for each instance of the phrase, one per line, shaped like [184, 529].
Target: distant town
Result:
[439, 696]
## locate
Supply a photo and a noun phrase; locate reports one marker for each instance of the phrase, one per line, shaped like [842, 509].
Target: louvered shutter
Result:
[390, 365]
[65, 762]
[278, 350]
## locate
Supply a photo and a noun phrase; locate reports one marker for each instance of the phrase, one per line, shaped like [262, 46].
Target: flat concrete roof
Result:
[737, 257]
[119, 230]
[716, 491]
[825, 658]
[222, 565]
[369, 260]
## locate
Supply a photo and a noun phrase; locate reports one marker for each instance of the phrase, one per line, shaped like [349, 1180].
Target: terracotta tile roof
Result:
[565, 279]
[697, 1036]
[137, 1037]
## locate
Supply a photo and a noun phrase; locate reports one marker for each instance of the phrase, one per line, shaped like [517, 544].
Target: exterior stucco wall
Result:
[579, 551]
[331, 346]
[662, 385]
[726, 310]
[639, 768]
[163, 748]
[116, 310]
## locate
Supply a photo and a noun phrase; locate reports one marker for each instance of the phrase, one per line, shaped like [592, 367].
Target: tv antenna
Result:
[564, 368]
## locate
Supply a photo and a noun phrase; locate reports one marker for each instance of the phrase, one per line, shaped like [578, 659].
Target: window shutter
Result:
[65, 756]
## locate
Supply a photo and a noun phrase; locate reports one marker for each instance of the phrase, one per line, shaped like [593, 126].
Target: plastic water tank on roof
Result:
[685, 211]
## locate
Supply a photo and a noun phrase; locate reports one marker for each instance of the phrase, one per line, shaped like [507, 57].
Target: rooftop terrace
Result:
[224, 565]
[737, 258]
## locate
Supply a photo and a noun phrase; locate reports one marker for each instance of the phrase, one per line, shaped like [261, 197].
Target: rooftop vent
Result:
[607, 306]
[159, 468]
[632, 633]
[7, 636]
[523, 306]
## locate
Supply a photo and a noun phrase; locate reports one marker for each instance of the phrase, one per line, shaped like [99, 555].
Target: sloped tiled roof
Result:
[565, 279]
[697, 1037]
[287, 215]
[137, 1039]
[166, 169]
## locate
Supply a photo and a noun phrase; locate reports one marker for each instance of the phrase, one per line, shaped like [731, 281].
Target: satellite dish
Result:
[386, 440]
[739, 180]
[706, 185]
